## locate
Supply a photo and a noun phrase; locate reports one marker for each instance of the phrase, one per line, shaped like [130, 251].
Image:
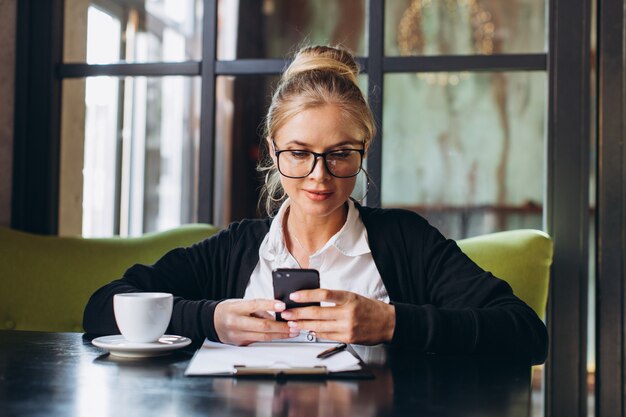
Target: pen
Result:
[331, 351]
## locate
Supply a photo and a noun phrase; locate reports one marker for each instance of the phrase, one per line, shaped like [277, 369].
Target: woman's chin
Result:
[323, 208]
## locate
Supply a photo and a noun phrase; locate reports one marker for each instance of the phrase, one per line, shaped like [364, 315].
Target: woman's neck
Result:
[305, 235]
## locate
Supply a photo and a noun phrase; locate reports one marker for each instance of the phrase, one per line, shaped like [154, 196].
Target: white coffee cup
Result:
[143, 317]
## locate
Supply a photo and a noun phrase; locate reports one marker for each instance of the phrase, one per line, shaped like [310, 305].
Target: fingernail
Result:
[294, 296]
[292, 324]
[287, 315]
[295, 334]
[279, 306]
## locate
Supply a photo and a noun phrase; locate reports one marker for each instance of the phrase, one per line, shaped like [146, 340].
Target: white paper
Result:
[220, 359]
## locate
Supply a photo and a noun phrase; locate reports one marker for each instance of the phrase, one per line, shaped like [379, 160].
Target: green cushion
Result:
[45, 281]
[520, 257]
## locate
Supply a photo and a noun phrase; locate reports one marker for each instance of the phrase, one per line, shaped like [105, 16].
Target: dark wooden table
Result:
[63, 374]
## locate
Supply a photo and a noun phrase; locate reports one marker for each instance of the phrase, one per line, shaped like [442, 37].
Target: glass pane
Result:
[140, 152]
[241, 103]
[111, 31]
[273, 28]
[464, 27]
[466, 150]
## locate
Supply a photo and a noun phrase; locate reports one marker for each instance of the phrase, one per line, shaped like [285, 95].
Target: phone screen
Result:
[287, 281]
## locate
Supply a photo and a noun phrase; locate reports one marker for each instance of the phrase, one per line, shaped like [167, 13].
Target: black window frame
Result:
[611, 210]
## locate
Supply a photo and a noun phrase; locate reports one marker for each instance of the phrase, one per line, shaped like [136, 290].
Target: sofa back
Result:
[45, 281]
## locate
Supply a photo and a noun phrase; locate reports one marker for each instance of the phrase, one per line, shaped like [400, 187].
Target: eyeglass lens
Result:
[341, 163]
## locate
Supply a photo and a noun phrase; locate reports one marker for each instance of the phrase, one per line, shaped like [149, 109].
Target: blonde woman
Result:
[386, 275]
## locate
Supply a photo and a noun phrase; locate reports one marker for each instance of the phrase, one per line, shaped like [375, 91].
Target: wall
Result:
[7, 73]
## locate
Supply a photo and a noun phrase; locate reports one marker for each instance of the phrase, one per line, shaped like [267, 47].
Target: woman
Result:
[386, 276]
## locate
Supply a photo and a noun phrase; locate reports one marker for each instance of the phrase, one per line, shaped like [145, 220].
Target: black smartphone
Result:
[287, 280]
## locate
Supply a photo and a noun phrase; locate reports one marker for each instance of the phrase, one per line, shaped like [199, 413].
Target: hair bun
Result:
[323, 58]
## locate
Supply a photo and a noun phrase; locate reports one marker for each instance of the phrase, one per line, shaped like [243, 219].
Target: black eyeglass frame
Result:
[316, 155]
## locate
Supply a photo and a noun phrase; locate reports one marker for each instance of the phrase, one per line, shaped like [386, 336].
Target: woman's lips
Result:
[318, 195]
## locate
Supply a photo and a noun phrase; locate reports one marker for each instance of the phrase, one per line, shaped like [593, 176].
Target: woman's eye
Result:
[299, 154]
[340, 154]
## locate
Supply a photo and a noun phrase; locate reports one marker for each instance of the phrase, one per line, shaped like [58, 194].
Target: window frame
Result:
[611, 210]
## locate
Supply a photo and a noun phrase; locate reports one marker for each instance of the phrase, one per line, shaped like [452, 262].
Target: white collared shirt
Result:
[345, 262]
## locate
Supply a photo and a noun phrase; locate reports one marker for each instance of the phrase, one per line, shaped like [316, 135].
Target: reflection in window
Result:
[140, 154]
[466, 150]
[275, 28]
[464, 27]
[241, 103]
[141, 137]
[101, 128]
[151, 29]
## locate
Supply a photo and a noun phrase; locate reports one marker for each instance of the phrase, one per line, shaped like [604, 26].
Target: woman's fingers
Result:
[308, 313]
[251, 306]
[354, 319]
[249, 323]
[321, 294]
[262, 315]
[334, 336]
[245, 338]
[317, 326]
[246, 321]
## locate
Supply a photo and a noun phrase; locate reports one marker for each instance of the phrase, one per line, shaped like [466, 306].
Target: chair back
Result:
[520, 257]
[45, 281]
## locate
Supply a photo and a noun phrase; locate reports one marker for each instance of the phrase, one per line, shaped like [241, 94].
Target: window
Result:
[141, 133]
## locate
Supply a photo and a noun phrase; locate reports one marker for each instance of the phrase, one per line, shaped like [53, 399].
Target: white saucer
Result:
[119, 346]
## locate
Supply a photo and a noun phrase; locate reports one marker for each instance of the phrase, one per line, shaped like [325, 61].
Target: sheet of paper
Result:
[219, 359]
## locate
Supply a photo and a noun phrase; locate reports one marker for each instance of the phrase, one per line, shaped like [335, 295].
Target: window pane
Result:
[111, 31]
[466, 150]
[140, 152]
[241, 103]
[464, 27]
[273, 28]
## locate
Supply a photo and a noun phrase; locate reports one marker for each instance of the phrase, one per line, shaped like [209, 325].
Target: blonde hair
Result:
[318, 75]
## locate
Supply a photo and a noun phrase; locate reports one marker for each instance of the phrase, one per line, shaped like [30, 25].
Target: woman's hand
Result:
[241, 322]
[353, 319]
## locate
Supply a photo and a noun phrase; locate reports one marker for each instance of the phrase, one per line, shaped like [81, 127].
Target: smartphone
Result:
[287, 280]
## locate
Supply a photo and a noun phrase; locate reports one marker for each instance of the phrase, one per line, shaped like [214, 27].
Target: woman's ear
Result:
[270, 149]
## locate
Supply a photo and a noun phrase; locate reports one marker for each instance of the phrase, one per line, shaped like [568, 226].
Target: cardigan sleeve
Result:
[198, 276]
[445, 303]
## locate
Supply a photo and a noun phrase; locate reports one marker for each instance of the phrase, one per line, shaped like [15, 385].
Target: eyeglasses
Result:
[340, 163]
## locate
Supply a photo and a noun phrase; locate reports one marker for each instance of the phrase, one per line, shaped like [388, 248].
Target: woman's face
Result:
[319, 129]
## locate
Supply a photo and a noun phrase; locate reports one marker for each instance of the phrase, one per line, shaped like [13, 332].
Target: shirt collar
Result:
[351, 240]
[273, 245]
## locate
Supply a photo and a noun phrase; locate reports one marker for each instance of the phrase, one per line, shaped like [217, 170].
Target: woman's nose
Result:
[319, 170]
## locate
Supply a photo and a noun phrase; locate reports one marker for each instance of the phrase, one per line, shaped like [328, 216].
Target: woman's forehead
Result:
[326, 122]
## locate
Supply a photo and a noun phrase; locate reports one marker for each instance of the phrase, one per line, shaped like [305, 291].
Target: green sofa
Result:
[520, 257]
[45, 281]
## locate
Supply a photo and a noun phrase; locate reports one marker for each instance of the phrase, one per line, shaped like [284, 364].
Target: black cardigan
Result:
[444, 302]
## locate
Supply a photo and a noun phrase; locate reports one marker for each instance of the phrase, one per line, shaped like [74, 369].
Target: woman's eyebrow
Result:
[355, 142]
[296, 142]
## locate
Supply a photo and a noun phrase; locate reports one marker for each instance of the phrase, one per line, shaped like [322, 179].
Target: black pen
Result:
[331, 351]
